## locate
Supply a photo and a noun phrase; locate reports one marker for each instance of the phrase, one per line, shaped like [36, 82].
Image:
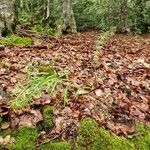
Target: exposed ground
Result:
[115, 90]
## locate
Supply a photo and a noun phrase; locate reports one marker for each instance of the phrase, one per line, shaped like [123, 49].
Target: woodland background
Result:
[70, 15]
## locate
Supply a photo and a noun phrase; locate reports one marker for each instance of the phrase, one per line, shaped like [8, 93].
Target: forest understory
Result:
[113, 90]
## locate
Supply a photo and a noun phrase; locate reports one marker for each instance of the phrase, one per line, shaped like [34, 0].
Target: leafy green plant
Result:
[16, 40]
[39, 29]
[25, 17]
[100, 42]
[34, 85]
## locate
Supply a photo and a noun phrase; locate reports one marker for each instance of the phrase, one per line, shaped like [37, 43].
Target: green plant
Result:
[34, 85]
[39, 29]
[100, 42]
[48, 117]
[15, 40]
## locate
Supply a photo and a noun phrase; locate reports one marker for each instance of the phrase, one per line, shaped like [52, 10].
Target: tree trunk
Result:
[69, 24]
[7, 17]
[122, 21]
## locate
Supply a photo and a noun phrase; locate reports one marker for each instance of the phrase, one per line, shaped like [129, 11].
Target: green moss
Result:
[6, 132]
[15, 40]
[142, 140]
[91, 137]
[114, 142]
[88, 136]
[25, 139]
[48, 117]
[63, 145]
[47, 69]
[2, 64]
[1, 120]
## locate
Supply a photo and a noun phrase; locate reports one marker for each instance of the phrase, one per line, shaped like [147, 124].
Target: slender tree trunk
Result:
[123, 14]
[108, 18]
[48, 9]
[7, 17]
[69, 24]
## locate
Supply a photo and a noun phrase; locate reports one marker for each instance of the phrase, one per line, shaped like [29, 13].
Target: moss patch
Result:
[111, 142]
[15, 40]
[142, 140]
[25, 138]
[63, 145]
[4, 133]
[91, 137]
[48, 117]
[88, 138]
[1, 120]
[47, 69]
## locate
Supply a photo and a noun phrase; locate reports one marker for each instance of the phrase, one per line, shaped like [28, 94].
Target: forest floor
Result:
[115, 90]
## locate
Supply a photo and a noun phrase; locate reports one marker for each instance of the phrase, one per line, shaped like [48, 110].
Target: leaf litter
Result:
[115, 93]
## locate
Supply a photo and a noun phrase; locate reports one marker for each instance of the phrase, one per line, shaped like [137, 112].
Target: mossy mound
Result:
[63, 145]
[142, 140]
[91, 137]
[88, 136]
[25, 139]
[15, 40]
[47, 69]
[1, 120]
[48, 117]
[6, 132]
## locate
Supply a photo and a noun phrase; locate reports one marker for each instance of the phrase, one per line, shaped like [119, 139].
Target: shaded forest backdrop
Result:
[58, 16]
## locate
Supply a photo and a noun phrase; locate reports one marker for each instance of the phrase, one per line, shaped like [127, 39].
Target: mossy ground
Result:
[15, 40]
[48, 117]
[25, 138]
[47, 69]
[63, 145]
[142, 140]
[90, 137]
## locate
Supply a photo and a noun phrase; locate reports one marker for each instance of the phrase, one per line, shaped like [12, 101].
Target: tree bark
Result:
[123, 14]
[7, 17]
[69, 24]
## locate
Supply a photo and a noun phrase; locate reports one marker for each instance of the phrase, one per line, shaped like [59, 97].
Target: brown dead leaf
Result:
[26, 118]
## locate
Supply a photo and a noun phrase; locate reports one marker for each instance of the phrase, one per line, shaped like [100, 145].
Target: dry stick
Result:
[55, 137]
[135, 135]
